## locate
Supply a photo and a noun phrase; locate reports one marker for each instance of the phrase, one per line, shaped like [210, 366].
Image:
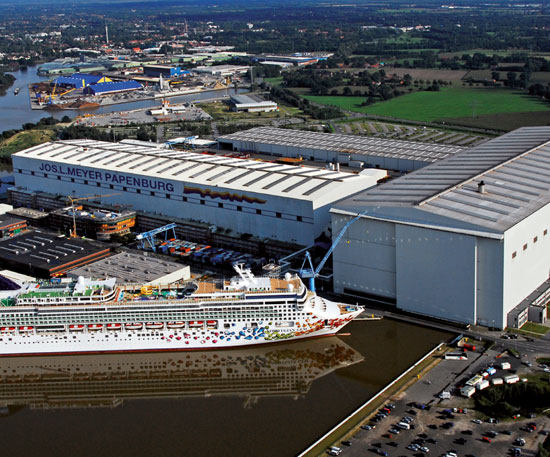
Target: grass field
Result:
[275, 81]
[24, 140]
[447, 103]
[427, 73]
[535, 328]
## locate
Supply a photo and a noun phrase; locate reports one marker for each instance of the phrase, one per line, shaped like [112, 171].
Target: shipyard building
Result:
[267, 200]
[465, 239]
[355, 151]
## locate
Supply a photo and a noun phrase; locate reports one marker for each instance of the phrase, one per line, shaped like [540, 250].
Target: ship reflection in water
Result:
[95, 381]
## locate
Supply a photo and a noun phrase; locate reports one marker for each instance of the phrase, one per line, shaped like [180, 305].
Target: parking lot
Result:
[447, 427]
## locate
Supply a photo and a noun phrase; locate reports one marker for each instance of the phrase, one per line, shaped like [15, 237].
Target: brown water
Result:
[271, 400]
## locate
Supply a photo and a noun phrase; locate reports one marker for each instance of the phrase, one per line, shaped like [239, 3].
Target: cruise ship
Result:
[285, 370]
[99, 316]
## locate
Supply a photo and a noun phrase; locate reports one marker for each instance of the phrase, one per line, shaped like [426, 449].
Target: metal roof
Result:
[114, 86]
[298, 182]
[345, 144]
[515, 171]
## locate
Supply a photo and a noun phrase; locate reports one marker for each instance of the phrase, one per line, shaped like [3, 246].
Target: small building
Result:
[112, 87]
[11, 226]
[33, 217]
[250, 103]
[134, 268]
[95, 223]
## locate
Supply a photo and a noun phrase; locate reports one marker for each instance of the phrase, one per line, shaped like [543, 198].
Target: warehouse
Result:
[252, 104]
[465, 239]
[128, 267]
[112, 87]
[46, 255]
[345, 149]
[80, 80]
[223, 70]
[166, 71]
[267, 200]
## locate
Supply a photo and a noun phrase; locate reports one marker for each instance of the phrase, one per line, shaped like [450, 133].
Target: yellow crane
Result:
[52, 95]
[72, 200]
[66, 92]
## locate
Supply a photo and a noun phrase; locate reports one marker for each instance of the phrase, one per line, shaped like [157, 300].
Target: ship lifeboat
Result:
[212, 324]
[94, 327]
[154, 325]
[114, 326]
[76, 328]
[7, 329]
[175, 324]
[26, 329]
[135, 326]
[196, 324]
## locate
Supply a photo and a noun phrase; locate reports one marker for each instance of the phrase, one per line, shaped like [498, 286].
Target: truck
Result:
[474, 380]
[497, 381]
[512, 379]
[469, 347]
[467, 391]
[505, 365]
[482, 384]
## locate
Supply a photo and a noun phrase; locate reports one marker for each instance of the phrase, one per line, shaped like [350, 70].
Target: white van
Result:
[403, 425]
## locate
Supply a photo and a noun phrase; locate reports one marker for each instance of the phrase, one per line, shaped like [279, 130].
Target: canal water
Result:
[271, 400]
[15, 110]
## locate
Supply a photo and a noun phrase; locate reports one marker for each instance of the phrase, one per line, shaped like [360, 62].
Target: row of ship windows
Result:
[526, 245]
[156, 315]
[184, 199]
[31, 321]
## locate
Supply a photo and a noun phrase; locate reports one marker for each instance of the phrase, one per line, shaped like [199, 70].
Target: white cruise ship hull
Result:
[112, 341]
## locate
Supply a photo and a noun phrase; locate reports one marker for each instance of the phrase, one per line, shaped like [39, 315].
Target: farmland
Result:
[447, 103]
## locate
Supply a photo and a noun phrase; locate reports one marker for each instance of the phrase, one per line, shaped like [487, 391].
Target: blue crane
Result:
[312, 273]
[150, 235]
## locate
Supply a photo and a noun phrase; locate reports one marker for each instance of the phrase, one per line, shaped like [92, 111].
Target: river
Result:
[15, 110]
[271, 400]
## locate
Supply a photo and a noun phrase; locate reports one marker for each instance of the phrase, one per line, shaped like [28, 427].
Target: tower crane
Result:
[312, 273]
[72, 200]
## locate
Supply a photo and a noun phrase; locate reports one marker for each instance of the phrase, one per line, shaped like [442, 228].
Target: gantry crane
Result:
[72, 200]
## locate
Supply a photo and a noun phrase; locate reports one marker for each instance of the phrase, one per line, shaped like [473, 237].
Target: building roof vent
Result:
[481, 187]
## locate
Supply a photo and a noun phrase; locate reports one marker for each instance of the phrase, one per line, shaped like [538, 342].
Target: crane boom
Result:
[72, 200]
[336, 242]
[312, 273]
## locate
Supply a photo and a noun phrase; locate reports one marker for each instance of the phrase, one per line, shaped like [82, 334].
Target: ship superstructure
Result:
[100, 316]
